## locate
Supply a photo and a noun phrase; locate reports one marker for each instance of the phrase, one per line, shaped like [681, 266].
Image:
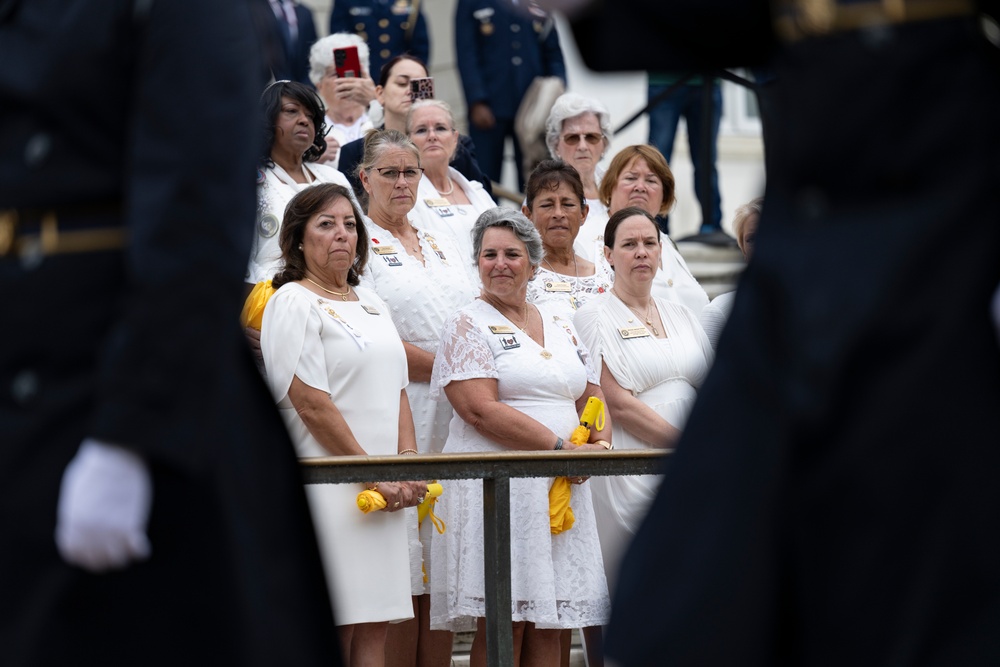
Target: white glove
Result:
[104, 505]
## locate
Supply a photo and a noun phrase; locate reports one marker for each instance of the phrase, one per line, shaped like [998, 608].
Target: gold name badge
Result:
[634, 332]
[371, 310]
[553, 286]
[434, 202]
[384, 249]
[501, 329]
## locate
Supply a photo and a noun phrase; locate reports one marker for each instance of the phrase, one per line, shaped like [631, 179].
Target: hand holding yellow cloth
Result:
[370, 500]
[560, 513]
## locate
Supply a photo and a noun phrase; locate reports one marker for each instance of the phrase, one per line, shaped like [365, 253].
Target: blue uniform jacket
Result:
[384, 25]
[500, 52]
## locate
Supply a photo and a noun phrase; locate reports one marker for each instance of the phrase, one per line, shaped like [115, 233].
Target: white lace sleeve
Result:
[463, 354]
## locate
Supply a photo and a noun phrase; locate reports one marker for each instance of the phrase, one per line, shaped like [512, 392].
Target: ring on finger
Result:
[420, 499]
[395, 505]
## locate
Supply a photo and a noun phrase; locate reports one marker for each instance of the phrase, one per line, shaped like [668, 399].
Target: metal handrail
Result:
[496, 470]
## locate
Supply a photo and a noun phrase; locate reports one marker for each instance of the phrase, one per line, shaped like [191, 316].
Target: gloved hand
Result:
[104, 503]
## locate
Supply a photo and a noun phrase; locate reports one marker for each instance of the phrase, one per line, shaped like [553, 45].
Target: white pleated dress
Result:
[350, 350]
[557, 581]
[663, 373]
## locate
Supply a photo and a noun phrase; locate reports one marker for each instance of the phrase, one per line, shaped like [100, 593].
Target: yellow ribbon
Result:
[253, 308]
[560, 513]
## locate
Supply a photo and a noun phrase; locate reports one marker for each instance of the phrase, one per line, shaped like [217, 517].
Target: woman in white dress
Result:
[422, 278]
[555, 203]
[337, 370]
[518, 377]
[293, 141]
[639, 176]
[652, 355]
[578, 132]
[447, 202]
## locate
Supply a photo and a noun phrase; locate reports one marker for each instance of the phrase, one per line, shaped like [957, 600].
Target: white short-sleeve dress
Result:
[421, 297]
[663, 373]
[557, 581]
[350, 350]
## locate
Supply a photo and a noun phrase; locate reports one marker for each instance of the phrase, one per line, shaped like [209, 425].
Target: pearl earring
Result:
[300, 246]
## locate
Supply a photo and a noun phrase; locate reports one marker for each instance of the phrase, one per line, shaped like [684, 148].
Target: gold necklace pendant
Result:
[342, 295]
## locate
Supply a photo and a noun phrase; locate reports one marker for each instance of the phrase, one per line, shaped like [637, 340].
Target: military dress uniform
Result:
[390, 27]
[500, 52]
[126, 215]
[833, 499]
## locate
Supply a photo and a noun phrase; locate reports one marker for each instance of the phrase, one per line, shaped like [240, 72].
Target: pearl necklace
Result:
[450, 190]
[342, 295]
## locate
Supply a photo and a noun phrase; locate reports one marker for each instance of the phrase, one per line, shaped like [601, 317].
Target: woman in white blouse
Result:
[652, 355]
[292, 114]
[447, 202]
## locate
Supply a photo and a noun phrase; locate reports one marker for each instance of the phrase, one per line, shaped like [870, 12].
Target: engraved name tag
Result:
[557, 286]
[634, 332]
[384, 250]
[501, 329]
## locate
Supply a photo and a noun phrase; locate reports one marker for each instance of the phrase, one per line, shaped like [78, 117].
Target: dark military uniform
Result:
[126, 209]
[390, 27]
[500, 52]
[834, 498]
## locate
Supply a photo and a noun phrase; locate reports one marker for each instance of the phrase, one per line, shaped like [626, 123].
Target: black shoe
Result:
[715, 238]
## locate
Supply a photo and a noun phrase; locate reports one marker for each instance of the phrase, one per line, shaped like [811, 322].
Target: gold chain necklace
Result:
[524, 314]
[648, 318]
[342, 295]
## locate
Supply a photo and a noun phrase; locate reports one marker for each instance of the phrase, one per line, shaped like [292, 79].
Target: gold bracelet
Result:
[408, 451]
[373, 487]
[604, 443]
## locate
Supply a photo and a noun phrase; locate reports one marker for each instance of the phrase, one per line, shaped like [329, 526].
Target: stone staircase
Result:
[716, 268]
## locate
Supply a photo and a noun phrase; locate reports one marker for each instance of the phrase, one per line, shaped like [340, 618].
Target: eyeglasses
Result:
[391, 174]
[439, 129]
[591, 138]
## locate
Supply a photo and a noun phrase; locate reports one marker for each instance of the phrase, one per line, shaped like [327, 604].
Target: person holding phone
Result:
[393, 93]
[346, 89]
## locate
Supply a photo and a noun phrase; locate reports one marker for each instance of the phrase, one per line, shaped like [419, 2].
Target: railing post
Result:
[496, 564]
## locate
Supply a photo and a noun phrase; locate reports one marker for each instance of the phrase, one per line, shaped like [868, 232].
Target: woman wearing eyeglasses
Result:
[423, 278]
[447, 202]
[578, 132]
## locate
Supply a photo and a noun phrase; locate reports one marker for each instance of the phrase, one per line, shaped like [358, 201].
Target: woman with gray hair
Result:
[578, 132]
[346, 99]
[447, 202]
[518, 378]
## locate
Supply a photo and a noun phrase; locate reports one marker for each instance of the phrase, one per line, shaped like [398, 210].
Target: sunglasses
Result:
[590, 137]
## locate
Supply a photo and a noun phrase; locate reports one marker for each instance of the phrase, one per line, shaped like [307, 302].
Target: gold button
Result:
[670, 282]
[383, 23]
[359, 27]
[384, 38]
[404, 25]
[385, 53]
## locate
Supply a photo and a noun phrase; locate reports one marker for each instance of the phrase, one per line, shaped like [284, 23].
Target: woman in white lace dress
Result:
[517, 376]
[447, 202]
[555, 203]
[337, 370]
[652, 355]
[422, 276]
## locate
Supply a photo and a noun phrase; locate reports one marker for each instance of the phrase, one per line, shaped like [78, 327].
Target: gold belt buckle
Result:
[8, 230]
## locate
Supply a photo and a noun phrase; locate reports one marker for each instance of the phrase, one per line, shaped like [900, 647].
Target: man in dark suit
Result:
[295, 32]
[137, 434]
[833, 500]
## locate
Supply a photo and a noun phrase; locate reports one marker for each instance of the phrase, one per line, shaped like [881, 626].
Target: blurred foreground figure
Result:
[127, 146]
[834, 497]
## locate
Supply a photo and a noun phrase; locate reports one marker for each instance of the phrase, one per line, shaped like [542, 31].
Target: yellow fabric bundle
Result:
[560, 513]
[253, 308]
[370, 500]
